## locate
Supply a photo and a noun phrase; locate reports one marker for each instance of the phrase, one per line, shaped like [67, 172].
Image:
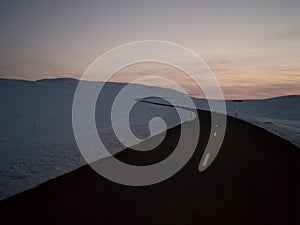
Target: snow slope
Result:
[36, 136]
[280, 115]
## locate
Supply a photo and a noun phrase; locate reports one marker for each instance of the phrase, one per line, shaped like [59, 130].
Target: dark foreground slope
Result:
[254, 180]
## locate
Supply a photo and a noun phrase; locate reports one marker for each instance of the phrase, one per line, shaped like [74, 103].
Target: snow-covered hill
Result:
[280, 115]
[36, 136]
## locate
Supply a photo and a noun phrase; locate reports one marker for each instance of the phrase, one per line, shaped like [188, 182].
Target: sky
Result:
[253, 47]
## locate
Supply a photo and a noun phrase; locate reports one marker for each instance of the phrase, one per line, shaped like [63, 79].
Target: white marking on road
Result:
[205, 161]
[215, 134]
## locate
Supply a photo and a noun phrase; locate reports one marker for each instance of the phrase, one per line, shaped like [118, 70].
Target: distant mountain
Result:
[71, 81]
[285, 97]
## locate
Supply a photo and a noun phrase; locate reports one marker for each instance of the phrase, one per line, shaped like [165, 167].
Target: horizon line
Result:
[75, 79]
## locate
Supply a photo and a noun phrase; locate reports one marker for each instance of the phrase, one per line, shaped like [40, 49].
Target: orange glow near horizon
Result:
[233, 86]
[251, 46]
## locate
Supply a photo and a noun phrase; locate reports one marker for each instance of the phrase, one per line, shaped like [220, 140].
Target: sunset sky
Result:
[253, 47]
